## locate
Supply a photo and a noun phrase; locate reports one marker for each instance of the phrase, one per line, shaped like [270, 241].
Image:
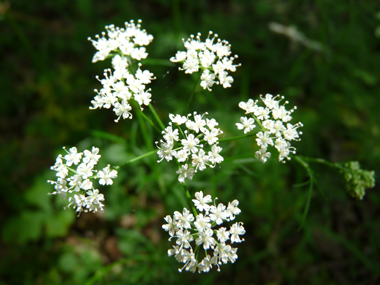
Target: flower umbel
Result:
[212, 57]
[190, 150]
[122, 84]
[78, 181]
[273, 131]
[207, 233]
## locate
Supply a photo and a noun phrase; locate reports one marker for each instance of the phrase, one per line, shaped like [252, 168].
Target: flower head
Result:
[203, 231]
[79, 180]
[271, 119]
[190, 149]
[212, 57]
[125, 46]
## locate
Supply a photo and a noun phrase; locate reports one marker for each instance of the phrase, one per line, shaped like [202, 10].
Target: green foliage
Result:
[40, 217]
[46, 86]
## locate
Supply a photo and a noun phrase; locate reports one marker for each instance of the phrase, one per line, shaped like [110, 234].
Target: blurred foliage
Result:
[46, 85]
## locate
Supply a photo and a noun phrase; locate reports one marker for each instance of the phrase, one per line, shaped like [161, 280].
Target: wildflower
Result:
[203, 232]
[79, 180]
[189, 150]
[271, 119]
[125, 46]
[212, 57]
[246, 124]
[106, 175]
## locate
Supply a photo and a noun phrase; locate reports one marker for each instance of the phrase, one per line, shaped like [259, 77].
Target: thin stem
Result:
[155, 115]
[192, 93]
[147, 119]
[144, 130]
[188, 197]
[318, 160]
[311, 181]
[137, 158]
[258, 121]
[176, 15]
[236, 138]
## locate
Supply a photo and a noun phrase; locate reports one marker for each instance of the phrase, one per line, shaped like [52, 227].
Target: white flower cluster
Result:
[271, 120]
[185, 228]
[190, 151]
[122, 84]
[79, 180]
[209, 56]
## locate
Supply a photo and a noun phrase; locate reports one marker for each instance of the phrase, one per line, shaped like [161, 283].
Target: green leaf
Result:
[23, 228]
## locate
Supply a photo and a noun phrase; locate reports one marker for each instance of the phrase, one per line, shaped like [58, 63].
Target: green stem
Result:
[311, 176]
[259, 123]
[317, 160]
[190, 201]
[137, 158]
[176, 15]
[155, 115]
[236, 138]
[192, 93]
[147, 119]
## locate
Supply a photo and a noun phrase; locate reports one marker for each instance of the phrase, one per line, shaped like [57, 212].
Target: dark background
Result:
[47, 81]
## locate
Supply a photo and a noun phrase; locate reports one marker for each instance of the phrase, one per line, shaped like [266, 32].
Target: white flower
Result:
[185, 172]
[222, 234]
[88, 199]
[263, 139]
[246, 124]
[165, 151]
[218, 214]
[205, 238]
[262, 154]
[262, 113]
[200, 160]
[106, 175]
[233, 210]
[270, 101]
[73, 156]
[94, 197]
[206, 263]
[184, 238]
[60, 167]
[214, 155]
[188, 150]
[236, 230]
[271, 119]
[85, 169]
[190, 143]
[211, 136]
[207, 79]
[201, 202]
[249, 107]
[202, 222]
[171, 225]
[122, 110]
[182, 155]
[185, 230]
[184, 219]
[291, 132]
[178, 119]
[91, 155]
[119, 86]
[170, 135]
[143, 97]
[210, 57]
[180, 56]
